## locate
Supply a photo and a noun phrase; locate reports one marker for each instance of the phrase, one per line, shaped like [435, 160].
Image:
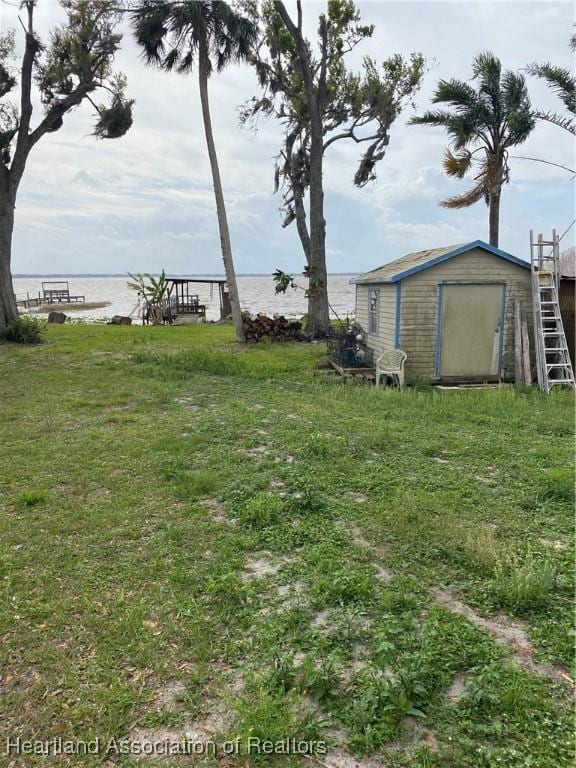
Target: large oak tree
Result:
[320, 102]
[74, 64]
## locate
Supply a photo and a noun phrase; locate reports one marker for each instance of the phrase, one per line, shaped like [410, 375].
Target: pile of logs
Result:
[274, 328]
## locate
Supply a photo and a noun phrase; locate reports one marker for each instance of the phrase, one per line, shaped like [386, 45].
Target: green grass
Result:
[176, 509]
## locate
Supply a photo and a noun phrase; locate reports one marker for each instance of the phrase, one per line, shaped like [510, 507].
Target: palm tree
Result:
[178, 35]
[482, 125]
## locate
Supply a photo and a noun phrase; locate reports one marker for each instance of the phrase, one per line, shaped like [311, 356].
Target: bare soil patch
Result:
[509, 632]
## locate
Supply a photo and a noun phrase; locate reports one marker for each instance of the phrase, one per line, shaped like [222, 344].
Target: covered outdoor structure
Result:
[183, 303]
[450, 309]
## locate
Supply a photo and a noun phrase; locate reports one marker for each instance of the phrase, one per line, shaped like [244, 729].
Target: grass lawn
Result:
[207, 543]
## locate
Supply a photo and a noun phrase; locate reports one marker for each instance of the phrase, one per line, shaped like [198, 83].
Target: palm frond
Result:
[487, 69]
[457, 165]
[567, 123]
[170, 33]
[478, 192]
[456, 93]
[561, 81]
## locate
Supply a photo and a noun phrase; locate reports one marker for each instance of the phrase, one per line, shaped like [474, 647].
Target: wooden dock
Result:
[53, 292]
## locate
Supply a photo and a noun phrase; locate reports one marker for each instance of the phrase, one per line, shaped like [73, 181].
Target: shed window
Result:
[373, 303]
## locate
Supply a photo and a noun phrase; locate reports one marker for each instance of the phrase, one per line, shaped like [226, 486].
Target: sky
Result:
[145, 202]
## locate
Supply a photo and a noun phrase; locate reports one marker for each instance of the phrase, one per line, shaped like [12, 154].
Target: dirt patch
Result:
[559, 545]
[340, 758]
[413, 731]
[440, 460]
[349, 672]
[288, 590]
[260, 566]
[217, 511]
[153, 741]
[167, 696]
[505, 631]
[359, 539]
[257, 453]
[322, 618]
[457, 688]
[383, 575]
[359, 498]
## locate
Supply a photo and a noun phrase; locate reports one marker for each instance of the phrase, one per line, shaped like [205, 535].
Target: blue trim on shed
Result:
[444, 257]
[397, 318]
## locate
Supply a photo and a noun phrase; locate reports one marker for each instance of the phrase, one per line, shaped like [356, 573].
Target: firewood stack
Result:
[276, 328]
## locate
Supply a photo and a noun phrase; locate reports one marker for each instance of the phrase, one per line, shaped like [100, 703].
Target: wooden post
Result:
[518, 362]
[525, 348]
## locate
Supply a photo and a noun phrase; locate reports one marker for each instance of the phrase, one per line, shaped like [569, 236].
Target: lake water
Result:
[256, 295]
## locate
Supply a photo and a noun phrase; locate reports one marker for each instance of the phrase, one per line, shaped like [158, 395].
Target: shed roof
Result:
[408, 265]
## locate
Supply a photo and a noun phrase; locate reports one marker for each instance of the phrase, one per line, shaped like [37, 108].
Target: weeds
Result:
[523, 586]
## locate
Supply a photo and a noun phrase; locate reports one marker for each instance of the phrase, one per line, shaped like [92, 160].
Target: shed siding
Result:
[386, 319]
[418, 316]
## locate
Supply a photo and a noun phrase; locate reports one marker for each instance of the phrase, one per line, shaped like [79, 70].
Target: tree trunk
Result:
[318, 310]
[494, 216]
[8, 308]
[301, 224]
[219, 195]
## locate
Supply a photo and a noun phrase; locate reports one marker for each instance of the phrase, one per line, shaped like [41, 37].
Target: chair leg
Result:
[401, 377]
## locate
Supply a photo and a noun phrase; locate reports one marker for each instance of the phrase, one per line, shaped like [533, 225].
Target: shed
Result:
[450, 309]
[567, 297]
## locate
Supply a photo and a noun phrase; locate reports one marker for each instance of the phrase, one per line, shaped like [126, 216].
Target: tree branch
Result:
[22, 141]
[59, 109]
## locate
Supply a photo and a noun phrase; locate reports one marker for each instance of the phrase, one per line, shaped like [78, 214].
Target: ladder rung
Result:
[548, 302]
[551, 382]
[555, 349]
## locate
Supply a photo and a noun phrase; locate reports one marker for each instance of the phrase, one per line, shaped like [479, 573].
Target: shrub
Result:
[26, 330]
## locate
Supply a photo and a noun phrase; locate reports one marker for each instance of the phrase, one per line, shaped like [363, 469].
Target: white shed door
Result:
[470, 330]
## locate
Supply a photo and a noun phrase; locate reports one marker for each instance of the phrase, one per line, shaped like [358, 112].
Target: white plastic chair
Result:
[391, 363]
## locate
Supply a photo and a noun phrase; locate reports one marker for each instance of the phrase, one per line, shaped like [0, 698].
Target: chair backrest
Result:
[392, 360]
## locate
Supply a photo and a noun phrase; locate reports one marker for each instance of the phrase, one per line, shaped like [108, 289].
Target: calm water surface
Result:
[256, 295]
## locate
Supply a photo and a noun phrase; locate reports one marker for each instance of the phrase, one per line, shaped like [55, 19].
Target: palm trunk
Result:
[8, 308]
[494, 216]
[219, 195]
[318, 310]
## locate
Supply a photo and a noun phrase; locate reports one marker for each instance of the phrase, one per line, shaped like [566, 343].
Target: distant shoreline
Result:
[125, 274]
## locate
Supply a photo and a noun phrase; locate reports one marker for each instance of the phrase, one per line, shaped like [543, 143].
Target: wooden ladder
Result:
[552, 357]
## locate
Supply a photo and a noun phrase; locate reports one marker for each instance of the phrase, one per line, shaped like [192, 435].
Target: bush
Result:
[26, 330]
